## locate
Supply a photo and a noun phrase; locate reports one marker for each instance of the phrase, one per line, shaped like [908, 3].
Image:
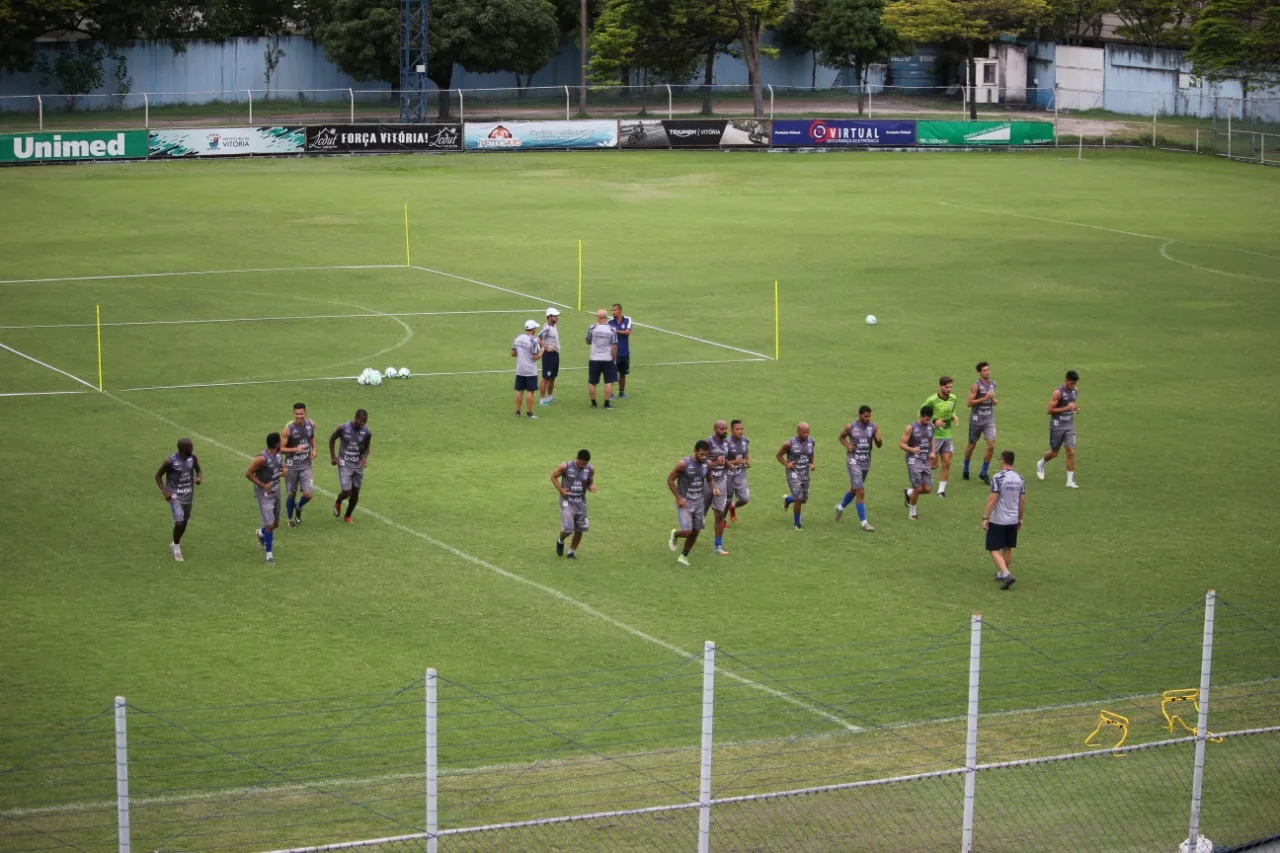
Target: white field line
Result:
[42, 393]
[268, 319]
[237, 383]
[505, 573]
[759, 355]
[119, 276]
[349, 782]
[1164, 253]
[88, 385]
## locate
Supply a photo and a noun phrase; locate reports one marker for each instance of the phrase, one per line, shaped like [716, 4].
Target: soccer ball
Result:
[404, 373]
[390, 373]
[871, 320]
[1203, 845]
[363, 378]
[375, 378]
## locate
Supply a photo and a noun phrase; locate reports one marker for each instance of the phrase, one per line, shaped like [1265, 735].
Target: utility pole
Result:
[582, 48]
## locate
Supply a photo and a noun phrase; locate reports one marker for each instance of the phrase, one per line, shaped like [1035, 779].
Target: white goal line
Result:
[119, 276]
[271, 319]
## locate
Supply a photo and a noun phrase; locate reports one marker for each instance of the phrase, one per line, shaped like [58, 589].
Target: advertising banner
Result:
[226, 141]
[72, 145]
[693, 133]
[969, 133]
[535, 135]
[383, 138]
[843, 133]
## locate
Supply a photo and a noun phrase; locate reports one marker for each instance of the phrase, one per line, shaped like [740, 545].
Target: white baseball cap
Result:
[530, 325]
[551, 312]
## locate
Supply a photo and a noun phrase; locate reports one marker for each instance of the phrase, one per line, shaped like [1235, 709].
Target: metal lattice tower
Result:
[413, 60]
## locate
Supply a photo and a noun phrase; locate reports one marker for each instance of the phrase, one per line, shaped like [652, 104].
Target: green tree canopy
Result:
[1157, 23]
[1238, 39]
[851, 34]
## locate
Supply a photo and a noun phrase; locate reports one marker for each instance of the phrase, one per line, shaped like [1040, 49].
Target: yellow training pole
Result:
[406, 234]
[97, 321]
[579, 275]
[776, 341]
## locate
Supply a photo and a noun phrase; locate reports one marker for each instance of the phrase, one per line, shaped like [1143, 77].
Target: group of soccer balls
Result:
[370, 376]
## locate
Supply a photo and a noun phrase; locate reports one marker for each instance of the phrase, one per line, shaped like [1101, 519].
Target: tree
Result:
[753, 16]
[795, 31]
[1156, 23]
[1238, 39]
[519, 36]
[851, 34]
[643, 35]
[1074, 22]
[972, 22]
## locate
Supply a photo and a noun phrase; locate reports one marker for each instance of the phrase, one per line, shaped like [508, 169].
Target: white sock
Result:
[569, 551]
[1071, 476]
[913, 510]
[942, 486]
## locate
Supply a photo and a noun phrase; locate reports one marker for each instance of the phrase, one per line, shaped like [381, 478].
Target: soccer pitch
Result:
[229, 291]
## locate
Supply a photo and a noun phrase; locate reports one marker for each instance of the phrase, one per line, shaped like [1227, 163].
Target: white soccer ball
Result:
[1203, 845]
[871, 320]
[361, 379]
[390, 373]
[375, 378]
[404, 373]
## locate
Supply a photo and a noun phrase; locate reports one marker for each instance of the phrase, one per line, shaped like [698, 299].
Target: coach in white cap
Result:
[526, 350]
[549, 337]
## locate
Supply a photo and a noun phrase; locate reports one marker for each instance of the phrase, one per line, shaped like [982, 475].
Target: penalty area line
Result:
[48, 366]
[269, 319]
[119, 276]
[706, 341]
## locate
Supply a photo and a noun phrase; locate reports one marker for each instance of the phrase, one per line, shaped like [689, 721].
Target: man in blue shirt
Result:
[621, 325]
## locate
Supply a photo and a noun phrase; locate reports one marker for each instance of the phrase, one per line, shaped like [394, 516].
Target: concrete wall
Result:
[1079, 74]
[1011, 73]
[1140, 80]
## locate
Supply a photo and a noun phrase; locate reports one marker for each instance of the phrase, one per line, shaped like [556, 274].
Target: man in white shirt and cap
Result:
[526, 350]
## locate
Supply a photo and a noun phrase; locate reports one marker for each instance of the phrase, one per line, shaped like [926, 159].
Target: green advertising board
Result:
[73, 145]
[963, 134]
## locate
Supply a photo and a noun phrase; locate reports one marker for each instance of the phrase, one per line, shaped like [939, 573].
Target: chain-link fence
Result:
[1106, 735]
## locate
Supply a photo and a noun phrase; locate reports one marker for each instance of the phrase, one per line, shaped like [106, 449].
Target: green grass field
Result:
[1154, 275]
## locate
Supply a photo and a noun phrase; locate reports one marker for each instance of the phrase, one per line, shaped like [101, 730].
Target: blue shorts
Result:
[526, 383]
[550, 365]
[624, 365]
[606, 368]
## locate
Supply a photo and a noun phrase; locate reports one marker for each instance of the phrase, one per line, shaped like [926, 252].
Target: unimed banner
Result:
[72, 145]
[970, 133]
[383, 138]
[693, 133]
[226, 141]
[535, 135]
[849, 133]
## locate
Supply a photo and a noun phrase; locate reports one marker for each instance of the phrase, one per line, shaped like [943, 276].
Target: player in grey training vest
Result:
[982, 419]
[603, 341]
[298, 447]
[1062, 427]
[857, 438]
[264, 473]
[687, 481]
[177, 478]
[917, 443]
[526, 350]
[739, 457]
[573, 479]
[549, 337]
[796, 455]
[351, 460]
[1002, 519]
[718, 472]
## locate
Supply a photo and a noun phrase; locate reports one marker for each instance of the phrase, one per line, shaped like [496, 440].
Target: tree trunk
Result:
[443, 81]
[971, 72]
[708, 80]
[750, 35]
[813, 73]
[859, 78]
[644, 94]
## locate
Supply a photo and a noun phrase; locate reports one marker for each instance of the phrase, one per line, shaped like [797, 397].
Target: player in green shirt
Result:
[944, 418]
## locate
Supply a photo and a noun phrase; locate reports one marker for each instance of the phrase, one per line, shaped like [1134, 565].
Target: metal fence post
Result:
[971, 731]
[462, 107]
[433, 793]
[1197, 140]
[146, 110]
[1104, 134]
[1155, 111]
[249, 92]
[1202, 721]
[122, 777]
[670, 114]
[566, 103]
[708, 717]
[770, 102]
[40, 111]
[351, 99]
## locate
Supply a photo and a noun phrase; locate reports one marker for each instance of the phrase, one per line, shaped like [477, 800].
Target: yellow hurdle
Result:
[1190, 694]
[1107, 718]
